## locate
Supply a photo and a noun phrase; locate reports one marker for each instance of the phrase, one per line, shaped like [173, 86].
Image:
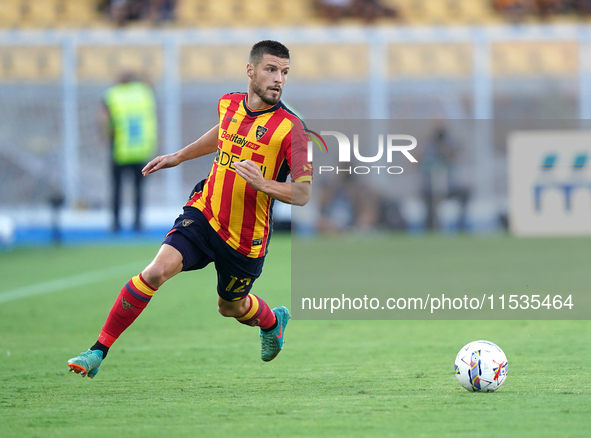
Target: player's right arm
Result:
[206, 144]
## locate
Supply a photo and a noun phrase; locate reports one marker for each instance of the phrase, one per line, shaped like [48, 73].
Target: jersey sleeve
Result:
[297, 153]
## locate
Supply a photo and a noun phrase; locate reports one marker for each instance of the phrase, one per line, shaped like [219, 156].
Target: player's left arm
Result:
[295, 193]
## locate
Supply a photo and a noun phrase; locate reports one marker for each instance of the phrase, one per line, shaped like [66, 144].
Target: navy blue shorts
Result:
[200, 245]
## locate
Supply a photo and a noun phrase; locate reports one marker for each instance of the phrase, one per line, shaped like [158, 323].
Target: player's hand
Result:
[160, 162]
[251, 172]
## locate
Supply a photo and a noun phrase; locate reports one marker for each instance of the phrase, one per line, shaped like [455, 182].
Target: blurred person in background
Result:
[548, 8]
[371, 10]
[367, 10]
[128, 118]
[518, 10]
[123, 11]
[582, 7]
[514, 10]
[162, 10]
[333, 10]
[346, 203]
[439, 178]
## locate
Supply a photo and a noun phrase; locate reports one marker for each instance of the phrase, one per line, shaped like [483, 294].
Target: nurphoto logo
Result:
[400, 143]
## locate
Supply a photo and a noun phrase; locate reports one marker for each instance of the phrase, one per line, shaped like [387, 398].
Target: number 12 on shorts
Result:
[242, 283]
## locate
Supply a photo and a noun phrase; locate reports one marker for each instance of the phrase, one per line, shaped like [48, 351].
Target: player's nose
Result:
[278, 77]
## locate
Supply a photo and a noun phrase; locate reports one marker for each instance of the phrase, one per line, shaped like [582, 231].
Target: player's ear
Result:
[249, 70]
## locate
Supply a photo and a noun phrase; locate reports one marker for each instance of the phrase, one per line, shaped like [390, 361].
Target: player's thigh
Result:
[167, 263]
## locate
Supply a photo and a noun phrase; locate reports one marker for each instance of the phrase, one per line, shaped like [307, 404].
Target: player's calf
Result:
[256, 313]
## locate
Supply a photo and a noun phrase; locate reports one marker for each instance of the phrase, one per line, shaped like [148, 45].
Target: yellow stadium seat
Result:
[95, 64]
[103, 64]
[405, 60]
[298, 12]
[11, 15]
[512, 59]
[143, 60]
[40, 13]
[437, 13]
[477, 11]
[256, 13]
[224, 13]
[196, 64]
[23, 64]
[31, 64]
[558, 58]
[411, 11]
[452, 60]
[310, 64]
[5, 53]
[234, 60]
[80, 13]
[213, 63]
[444, 12]
[207, 13]
[429, 60]
[50, 63]
[346, 62]
[188, 12]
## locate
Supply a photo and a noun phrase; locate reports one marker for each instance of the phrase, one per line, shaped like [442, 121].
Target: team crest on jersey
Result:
[261, 131]
[187, 222]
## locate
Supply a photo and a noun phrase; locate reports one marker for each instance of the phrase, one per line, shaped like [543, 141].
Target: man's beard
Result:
[261, 93]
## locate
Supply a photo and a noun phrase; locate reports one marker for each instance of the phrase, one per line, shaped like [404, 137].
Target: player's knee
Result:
[228, 312]
[156, 275]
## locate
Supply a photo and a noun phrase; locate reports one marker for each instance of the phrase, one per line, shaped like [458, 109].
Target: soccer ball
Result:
[481, 366]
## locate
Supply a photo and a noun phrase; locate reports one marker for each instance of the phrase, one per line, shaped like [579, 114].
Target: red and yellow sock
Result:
[258, 314]
[132, 300]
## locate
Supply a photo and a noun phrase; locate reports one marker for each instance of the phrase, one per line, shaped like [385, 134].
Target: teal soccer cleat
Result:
[87, 364]
[272, 341]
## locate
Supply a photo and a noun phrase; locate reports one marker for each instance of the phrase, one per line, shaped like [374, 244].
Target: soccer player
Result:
[227, 217]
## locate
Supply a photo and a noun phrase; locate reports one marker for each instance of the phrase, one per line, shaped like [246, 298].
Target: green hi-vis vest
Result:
[132, 108]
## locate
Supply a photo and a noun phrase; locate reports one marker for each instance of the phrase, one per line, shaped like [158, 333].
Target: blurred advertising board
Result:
[549, 183]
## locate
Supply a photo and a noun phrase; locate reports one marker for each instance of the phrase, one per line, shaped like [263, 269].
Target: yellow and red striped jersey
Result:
[274, 138]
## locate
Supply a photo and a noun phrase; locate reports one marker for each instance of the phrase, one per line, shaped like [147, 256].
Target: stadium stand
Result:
[11, 13]
[316, 62]
[80, 13]
[40, 13]
[38, 64]
[342, 62]
[541, 58]
[234, 13]
[330, 62]
[212, 63]
[420, 60]
[98, 64]
[425, 69]
[45, 14]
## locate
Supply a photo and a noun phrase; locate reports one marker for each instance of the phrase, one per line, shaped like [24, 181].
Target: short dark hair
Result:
[267, 47]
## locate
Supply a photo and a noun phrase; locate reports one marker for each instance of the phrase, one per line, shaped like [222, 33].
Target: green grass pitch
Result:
[184, 371]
